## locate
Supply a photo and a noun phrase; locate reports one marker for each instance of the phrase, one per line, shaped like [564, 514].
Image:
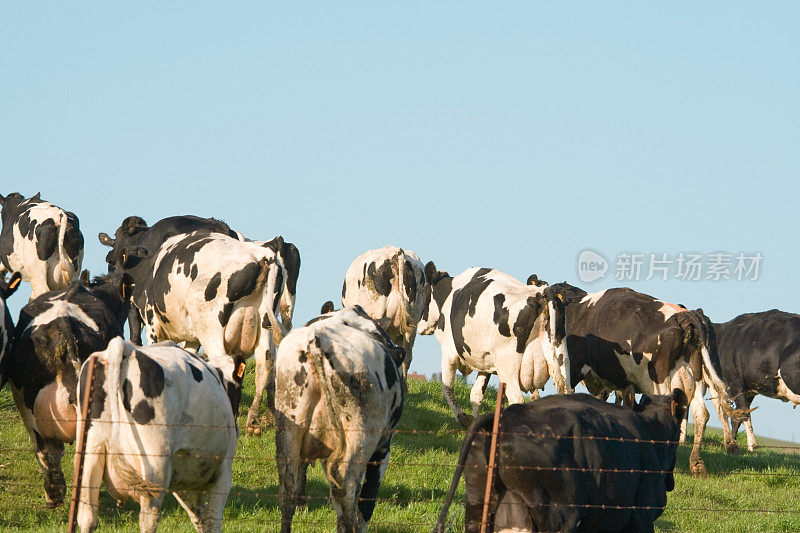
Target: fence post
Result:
[80, 448]
[501, 389]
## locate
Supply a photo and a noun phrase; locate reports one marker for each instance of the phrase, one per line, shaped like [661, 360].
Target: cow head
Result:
[327, 307]
[7, 288]
[663, 416]
[569, 294]
[56, 348]
[9, 204]
[438, 286]
[230, 370]
[534, 280]
[126, 236]
[551, 312]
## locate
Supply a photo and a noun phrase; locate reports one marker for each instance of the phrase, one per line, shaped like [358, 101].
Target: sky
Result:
[512, 136]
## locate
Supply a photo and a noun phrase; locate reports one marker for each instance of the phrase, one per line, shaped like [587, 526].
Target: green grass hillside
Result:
[732, 498]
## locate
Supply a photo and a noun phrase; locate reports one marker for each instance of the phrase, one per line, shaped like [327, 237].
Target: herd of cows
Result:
[162, 417]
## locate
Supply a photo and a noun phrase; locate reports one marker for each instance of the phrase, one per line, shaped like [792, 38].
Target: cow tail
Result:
[719, 387]
[114, 355]
[558, 320]
[462, 460]
[271, 290]
[315, 358]
[66, 270]
[404, 322]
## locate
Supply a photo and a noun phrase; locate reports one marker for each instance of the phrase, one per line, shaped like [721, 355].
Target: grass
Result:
[424, 452]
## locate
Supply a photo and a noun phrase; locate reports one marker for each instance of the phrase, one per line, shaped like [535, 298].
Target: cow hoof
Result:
[250, 430]
[257, 431]
[53, 505]
[731, 448]
[465, 420]
[698, 469]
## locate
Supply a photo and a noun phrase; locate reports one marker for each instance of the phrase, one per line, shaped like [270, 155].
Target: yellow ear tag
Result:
[14, 283]
[672, 405]
[240, 371]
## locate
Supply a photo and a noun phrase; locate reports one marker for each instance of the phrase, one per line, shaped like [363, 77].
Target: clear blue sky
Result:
[511, 136]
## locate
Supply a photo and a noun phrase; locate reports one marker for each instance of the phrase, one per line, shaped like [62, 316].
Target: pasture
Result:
[734, 497]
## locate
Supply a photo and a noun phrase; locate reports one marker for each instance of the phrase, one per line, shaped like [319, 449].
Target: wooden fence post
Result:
[501, 389]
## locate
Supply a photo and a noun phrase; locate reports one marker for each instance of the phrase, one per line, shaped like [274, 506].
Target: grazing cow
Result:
[40, 241]
[135, 234]
[572, 463]
[621, 338]
[759, 353]
[388, 283]
[488, 321]
[159, 423]
[212, 290]
[6, 325]
[55, 333]
[338, 398]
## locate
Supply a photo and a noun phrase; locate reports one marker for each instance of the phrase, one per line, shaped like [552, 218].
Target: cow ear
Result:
[327, 307]
[239, 366]
[629, 397]
[678, 404]
[430, 271]
[105, 239]
[533, 279]
[12, 285]
[126, 286]
[384, 322]
[85, 277]
[2, 200]
[37, 196]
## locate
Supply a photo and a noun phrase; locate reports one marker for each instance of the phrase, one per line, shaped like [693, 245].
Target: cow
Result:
[40, 241]
[338, 396]
[7, 288]
[759, 353]
[158, 423]
[135, 234]
[572, 463]
[55, 333]
[490, 322]
[388, 283]
[215, 291]
[624, 339]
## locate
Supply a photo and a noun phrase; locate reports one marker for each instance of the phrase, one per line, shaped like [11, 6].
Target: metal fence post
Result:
[501, 388]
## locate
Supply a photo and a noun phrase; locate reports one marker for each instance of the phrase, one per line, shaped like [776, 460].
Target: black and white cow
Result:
[7, 288]
[488, 321]
[40, 241]
[572, 463]
[161, 420]
[338, 398]
[621, 338]
[388, 283]
[215, 291]
[134, 234]
[55, 333]
[759, 353]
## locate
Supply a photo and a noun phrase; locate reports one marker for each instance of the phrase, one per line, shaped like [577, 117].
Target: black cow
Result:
[55, 333]
[621, 338]
[6, 325]
[759, 353]
[40, 241]
[573, 463]
[140, 240]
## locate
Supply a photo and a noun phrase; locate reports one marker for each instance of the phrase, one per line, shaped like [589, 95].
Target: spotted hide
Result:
[213, 290]
[7, 288]
[759, 353]
[161, 420]
[289, 258]
[621, 337]
[338, 398]
[572, 463]
[40, 241]
[490, 322]
[135, 235]
[388, 283]
[55, 333]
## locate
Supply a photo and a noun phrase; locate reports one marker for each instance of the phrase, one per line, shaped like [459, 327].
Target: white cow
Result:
[162, 420]
[388, 283]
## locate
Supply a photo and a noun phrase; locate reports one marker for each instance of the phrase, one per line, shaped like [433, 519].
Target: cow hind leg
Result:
[93, 469]
[700, 418]
[448, 380]
[264, 362]
[477, 392]
[728, 439]
[288, 444]
[344, 477]
[372, 480]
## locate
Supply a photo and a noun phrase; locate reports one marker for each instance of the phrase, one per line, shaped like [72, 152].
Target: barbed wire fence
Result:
[267, 494]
